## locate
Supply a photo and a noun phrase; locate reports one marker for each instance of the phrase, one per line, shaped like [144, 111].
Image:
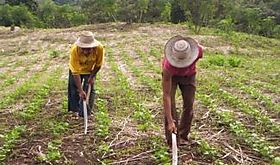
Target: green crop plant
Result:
[54, 53]
[234, 61]
[234, 101]
[57, 127]
[38, 100]
[238, 103]
[142, 115]
[102, 118]
[206, 149]
[240, 83]
[10, 139]
[267, 101]
[276, 161]
[160, 153]
[21, 90]
[53, 152]
[64, 107]
[8, 81]
[144, 118]
[218, 60]
[252, 139]
[103, 147]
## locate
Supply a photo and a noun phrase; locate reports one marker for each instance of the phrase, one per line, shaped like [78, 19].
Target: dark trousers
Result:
[75, 104]
[183, 123]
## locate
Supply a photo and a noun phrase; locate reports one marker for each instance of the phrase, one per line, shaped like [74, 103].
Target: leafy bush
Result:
[217, 60]
[276, 31]
[19, 16]
[226, 24]
[234, 62]
[59, 16]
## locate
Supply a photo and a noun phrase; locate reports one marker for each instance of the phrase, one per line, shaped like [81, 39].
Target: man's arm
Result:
[74, 67]
[78, 83]
[94, 71]
[166, 86]
[99, 62]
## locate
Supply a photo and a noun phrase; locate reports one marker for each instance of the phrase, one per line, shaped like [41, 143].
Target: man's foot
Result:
[183, 142]
[75, 115]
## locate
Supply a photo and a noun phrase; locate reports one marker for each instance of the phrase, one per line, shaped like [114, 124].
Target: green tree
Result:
[200, 12]
[224, 8]
[157, 11]
[59, 16]
[18, 15]
[31, 4]
[100, 10]
[132, 10]
[248, 19]
[165, 14]
[226, 25]
[142, 7]
[23, 17]
[177, 12]
[276, 31]
[273, 8]
[6, 18]
[126, 11]
[46, 12]
[267, 26]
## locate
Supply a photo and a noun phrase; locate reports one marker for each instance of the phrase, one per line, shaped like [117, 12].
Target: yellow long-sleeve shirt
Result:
[80, 63]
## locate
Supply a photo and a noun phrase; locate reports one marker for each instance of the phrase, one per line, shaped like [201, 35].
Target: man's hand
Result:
[82, 94]
[172, 127]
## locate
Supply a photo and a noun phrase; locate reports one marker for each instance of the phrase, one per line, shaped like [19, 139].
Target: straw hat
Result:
[87, 40]
[181, 51]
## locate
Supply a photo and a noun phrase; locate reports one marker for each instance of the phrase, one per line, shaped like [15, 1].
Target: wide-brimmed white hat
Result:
[181, 51]
[87, 40]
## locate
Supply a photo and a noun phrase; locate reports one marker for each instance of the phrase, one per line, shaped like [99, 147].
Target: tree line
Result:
[261, 17]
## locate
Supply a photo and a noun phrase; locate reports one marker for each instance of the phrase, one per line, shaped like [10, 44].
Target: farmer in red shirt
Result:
[179, 69]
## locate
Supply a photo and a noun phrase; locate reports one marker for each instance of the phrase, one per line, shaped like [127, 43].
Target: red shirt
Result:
[188, 71]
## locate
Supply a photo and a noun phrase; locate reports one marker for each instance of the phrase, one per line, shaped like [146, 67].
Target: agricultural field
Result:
[237, 106]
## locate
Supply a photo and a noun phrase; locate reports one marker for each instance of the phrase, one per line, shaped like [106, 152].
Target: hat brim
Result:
[181, 63]
[95, 43]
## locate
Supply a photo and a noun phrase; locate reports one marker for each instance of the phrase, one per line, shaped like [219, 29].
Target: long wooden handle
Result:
[174, 150]
[85, 116]
[88, 93]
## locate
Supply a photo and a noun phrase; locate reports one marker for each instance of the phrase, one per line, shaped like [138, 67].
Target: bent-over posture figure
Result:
[179, 69]
[86, 59]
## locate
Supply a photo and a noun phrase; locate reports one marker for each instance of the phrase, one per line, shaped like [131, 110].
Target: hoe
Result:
[174, 150]
[85, 103]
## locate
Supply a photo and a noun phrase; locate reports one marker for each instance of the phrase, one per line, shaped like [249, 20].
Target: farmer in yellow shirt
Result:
[86, 59]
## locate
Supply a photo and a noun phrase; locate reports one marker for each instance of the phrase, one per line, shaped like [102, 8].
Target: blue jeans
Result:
[75, 104]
